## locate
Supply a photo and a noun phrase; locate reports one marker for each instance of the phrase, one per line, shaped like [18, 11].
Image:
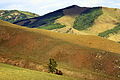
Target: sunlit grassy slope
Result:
[32, 48]
[106, 25]
[8, 72]
[105, 21]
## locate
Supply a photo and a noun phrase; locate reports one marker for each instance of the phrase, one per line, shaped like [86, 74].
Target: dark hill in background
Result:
[51, 17]
[99, 21]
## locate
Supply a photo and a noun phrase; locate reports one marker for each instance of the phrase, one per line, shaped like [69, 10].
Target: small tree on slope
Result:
[52, 65]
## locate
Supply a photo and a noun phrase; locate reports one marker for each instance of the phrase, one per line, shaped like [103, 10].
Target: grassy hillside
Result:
[29, 14]
[8, 72]
[107, 23]
[95, 57]
[15, 15]
[86, 19]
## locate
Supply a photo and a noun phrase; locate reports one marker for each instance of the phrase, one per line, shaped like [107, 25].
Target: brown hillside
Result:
[31, 48]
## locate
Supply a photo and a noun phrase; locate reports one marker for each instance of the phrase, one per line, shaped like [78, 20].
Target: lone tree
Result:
[52, 65]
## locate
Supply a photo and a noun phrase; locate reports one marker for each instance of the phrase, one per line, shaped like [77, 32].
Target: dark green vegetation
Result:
[115, 30]
[15, 15]
[87, 19]
[46, 21]
[52, 26]
[8, 72]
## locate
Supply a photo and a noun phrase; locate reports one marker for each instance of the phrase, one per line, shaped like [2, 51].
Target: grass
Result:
[30, 15]
[8, 72]
[66, 20]
[52, 26]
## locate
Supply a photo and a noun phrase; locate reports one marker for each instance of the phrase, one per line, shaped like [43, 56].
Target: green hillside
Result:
[15, 15]
[8, 72]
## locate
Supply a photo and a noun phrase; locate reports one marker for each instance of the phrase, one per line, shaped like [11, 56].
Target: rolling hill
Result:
[100, 21]
[15, 15]
[88, 57]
